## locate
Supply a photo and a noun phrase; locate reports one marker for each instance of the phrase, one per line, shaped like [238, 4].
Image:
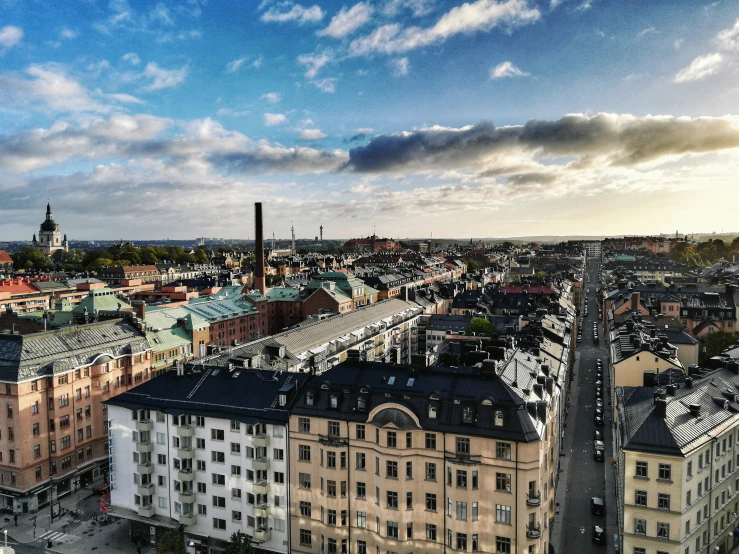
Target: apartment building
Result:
[53, 425]
[677, 466]
[387, 459]
[205, 451]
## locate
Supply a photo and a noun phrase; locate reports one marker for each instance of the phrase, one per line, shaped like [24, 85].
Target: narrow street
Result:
[582, 476]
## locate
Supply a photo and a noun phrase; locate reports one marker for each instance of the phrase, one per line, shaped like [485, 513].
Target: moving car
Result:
[597, 506]
[599, 535]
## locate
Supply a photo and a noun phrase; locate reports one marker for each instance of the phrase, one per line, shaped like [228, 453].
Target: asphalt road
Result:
[585, 476]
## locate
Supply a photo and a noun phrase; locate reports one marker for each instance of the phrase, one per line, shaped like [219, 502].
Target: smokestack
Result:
[321, 233]
[259, 250]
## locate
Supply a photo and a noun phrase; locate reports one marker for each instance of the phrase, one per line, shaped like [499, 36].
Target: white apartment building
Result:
[205, 450]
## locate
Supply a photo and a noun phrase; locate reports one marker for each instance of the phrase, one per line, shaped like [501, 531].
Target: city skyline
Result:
[508, 118]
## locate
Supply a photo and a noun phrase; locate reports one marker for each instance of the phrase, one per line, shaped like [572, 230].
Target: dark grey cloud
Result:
[355, 138]
[617, 140]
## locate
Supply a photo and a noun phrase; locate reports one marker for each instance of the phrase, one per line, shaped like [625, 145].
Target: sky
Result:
[417, 118]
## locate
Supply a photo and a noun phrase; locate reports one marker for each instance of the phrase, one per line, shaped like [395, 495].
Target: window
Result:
[360, 432]
[475, 511]
[642, 469]
[503, 450]
[640, 550]
[663, 501]
[361, 490]
[235, 448]
[392, 500]
[688, 498]
[462, 541]
[431, 441]
[502, 545]
[665, 472]
[37, 451]
[640, 498]
[392, 469]
[409, 440]
[391, 439]
[201, 465]
[461, 479]
[462, 510]
[218, 479]
[361, 461]
[503, 514]
[362, 520]
[503, 482]
[392, 529]
[331, 460]
[430, 532]
[430, 471]
[333, 428]
[279, 477]
[304, 453]
[305, 534]
[475, 481]
[218, 457]
[219, 501]
[409, 470]
[690, 469]
[304, 480]
[331, 517]
[409, 501]
[219, 523]
[663, 530]
[217, 434]
[640, 526]
[331, 488]
[430, 502]
[463, 445]
[235, 470]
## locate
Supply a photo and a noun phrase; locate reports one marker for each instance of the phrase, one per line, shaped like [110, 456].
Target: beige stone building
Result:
[677, 467]
[53, 426]
[386, 459]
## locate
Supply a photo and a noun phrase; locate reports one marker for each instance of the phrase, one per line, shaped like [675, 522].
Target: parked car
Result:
[598, 455]
[599, 535]
[599, 403]
[599, 445]
[579, 338]
[597, 506]
[598, 436]
[598, 419]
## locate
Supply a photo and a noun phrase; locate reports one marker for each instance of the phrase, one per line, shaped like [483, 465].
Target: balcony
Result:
[186, 496]
[146, 511]
[144, 469]
[331, 440]
[262, 534]
[187, 519]
[186, 475]
[260, 441]
[533, 532]
[145, 490]
[144, 446]
[261, 510]
[184, 431]
[185, 453]
[261, 464]
[144, 425]
[260, 487]
[462, 458]
[533, 499]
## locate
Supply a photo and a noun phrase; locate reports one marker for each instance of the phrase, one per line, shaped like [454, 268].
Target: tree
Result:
[31, 258]
[171, 542]
[481, 327]
[717, 342]
[239, 544]
[201, 256]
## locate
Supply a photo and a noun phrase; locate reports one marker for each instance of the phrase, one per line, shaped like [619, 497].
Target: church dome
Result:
[49, 225]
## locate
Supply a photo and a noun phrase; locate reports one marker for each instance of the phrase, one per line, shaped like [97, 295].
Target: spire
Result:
[48, 208]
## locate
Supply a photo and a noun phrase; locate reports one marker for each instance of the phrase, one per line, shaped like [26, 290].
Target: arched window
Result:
[467, 414]
[309, 399]
[432, 411]
[333, 401]
[361, 404]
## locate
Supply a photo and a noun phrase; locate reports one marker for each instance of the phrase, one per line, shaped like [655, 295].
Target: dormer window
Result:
[432, 412]
[499, 418]
[333, 401]
[283, 399]
[467, 415]
[361, 404]
[309, 399]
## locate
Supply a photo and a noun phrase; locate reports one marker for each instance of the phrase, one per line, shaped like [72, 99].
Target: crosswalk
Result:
[57, 536]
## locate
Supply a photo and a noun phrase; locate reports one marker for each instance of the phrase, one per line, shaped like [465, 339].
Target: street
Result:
[583, 477]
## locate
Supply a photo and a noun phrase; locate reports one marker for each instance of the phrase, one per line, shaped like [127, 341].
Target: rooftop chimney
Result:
[259, 250]
[660, 406]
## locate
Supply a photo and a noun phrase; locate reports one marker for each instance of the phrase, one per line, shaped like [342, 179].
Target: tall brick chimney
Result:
[259, 251]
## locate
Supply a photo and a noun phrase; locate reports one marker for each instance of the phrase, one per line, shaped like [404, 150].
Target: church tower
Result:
[49, 237]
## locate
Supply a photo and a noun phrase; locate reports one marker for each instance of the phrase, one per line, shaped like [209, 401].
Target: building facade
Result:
[49, 237]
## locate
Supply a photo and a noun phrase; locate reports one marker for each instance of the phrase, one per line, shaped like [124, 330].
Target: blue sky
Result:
[485, 118]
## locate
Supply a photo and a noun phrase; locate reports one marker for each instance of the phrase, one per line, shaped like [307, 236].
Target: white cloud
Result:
[478, 16]
[10, 36]
[365, 130]
[312, 134]
[700, 68]
[272, 119]
[271, 97]
[258, 61]
[325, 85]
[506, 69]
[647, 31]
[232, 113]
[348, 20]
[126, 98]
[68, 34]
[418, 8]
[314, 62]
[400, 67]
[235, 65]
[131, 58]
[160, 13]
[164, 78]
[678, 43]
[289, 11]
[728, 39]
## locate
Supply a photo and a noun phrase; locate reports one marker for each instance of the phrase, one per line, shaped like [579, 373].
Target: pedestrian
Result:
[15, 519]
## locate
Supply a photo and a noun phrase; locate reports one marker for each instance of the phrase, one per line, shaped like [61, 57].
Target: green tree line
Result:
[704, 253]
